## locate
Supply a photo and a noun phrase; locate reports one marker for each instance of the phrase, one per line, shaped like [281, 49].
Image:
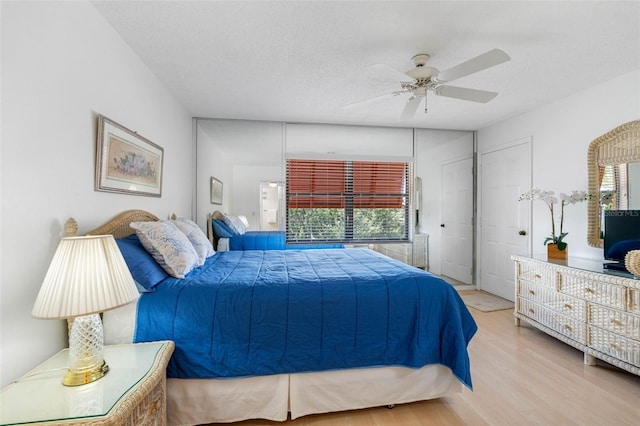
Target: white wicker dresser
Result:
[576, 302]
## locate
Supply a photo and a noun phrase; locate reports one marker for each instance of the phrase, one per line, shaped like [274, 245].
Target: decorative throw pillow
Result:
[235, 224]
[199, 241]
[144, 269]
[168, 246]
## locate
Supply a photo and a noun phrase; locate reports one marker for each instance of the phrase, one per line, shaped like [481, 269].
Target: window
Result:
[347, 201]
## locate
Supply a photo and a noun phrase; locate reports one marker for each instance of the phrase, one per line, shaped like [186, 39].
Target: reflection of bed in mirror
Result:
[613, 162]
[225, 236]
[431, 305]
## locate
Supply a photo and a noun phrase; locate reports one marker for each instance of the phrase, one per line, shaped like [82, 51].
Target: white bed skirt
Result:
[198, 401]
[192, 401]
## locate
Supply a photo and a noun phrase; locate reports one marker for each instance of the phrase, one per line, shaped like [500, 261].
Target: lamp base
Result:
[85, 375]
[86, 363]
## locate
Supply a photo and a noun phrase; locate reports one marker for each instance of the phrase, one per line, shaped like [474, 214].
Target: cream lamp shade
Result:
[87, 275]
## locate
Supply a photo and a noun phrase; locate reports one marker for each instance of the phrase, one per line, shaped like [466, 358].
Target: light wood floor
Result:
[521, 376]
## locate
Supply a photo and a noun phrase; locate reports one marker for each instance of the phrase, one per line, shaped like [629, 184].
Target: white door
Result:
[456, 223]
[504, 221]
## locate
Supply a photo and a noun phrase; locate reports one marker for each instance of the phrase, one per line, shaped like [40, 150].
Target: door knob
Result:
[442, 225]
[522, 232]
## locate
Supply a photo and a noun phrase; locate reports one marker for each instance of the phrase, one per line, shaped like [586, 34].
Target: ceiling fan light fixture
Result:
[420, 59]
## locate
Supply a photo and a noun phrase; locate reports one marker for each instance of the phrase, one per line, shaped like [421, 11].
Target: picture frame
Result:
[216, 191]
[126, 162]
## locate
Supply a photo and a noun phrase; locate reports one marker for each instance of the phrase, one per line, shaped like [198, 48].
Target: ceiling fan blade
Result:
[385, 72]
[463, 93]
[411, 107]
[479, 63]
[369, 101]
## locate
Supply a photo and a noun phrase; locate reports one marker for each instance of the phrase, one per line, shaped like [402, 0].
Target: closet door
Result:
[456, 224]
[504, 221]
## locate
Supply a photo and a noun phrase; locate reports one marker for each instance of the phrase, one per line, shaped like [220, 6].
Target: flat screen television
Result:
[621, 234]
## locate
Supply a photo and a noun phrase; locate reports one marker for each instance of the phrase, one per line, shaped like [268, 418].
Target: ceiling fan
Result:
[426, 78]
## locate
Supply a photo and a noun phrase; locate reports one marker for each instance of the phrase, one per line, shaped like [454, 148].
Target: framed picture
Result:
[216, 191]
[126, 162]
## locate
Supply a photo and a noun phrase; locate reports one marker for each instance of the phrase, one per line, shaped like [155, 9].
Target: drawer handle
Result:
[537, 276]
[589, 290]
[568, 306]
[614, 347]
[532, 292]
[616, 321]
[568, 327]
[154, 406]
[531, 311]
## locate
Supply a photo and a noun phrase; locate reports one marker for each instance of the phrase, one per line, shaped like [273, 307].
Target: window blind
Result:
[347, 201]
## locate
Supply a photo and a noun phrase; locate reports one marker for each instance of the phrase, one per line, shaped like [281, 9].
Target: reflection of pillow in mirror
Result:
[235, 224]
[199, 241]
[221, 230]
[168, 246]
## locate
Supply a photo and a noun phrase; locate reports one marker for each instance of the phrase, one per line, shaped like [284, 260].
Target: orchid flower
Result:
[550, 199]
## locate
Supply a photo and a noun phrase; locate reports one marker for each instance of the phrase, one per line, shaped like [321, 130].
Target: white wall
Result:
[561, 133]
[345, 141]
[62, 64]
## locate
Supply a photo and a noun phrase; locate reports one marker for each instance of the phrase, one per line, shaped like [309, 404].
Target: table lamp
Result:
[87, 275]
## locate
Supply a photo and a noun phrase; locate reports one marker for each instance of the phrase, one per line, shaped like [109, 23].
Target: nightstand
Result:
[132, 393]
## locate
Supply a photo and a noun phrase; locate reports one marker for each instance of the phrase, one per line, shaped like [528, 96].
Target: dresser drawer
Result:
[594, 291]
[537, 274]
[622, 323]
[565, 325]
[552, 299]
[627, 350]
[634, 301]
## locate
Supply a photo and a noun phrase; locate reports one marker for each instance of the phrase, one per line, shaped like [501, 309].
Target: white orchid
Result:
[574, 197]
[550, 199]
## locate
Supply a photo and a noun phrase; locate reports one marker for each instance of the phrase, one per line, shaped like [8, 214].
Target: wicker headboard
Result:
[119, 225]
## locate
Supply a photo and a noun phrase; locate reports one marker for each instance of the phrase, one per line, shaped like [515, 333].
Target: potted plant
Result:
[556, 246]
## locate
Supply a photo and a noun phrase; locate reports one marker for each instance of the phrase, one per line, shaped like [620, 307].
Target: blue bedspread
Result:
[248, 313]
[270, 240]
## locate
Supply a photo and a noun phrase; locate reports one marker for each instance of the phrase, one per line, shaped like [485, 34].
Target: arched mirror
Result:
[614, 176]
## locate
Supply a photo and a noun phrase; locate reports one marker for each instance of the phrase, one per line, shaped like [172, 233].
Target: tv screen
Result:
[621, 234]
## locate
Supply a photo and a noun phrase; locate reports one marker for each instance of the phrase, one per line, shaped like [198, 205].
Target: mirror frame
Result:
[620, 145]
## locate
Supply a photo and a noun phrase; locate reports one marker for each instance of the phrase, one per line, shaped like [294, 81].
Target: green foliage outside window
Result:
[328, 224]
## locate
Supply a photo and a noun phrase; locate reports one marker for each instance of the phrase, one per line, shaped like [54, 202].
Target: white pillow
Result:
[235, 224]
[199, 241]
[168, 246]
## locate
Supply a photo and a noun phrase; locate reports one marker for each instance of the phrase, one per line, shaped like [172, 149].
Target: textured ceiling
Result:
[302, 61]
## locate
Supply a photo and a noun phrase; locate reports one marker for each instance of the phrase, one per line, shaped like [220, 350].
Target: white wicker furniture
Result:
[415, 254]
[594, 311]
[132, 393]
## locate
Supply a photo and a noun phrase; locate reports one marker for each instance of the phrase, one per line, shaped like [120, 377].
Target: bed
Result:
[306, 331]
[229, 233]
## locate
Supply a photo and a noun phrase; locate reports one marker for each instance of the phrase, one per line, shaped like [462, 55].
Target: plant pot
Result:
[553, 252]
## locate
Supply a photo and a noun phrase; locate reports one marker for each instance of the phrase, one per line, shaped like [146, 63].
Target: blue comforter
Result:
[249, 313]
[271, 240]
